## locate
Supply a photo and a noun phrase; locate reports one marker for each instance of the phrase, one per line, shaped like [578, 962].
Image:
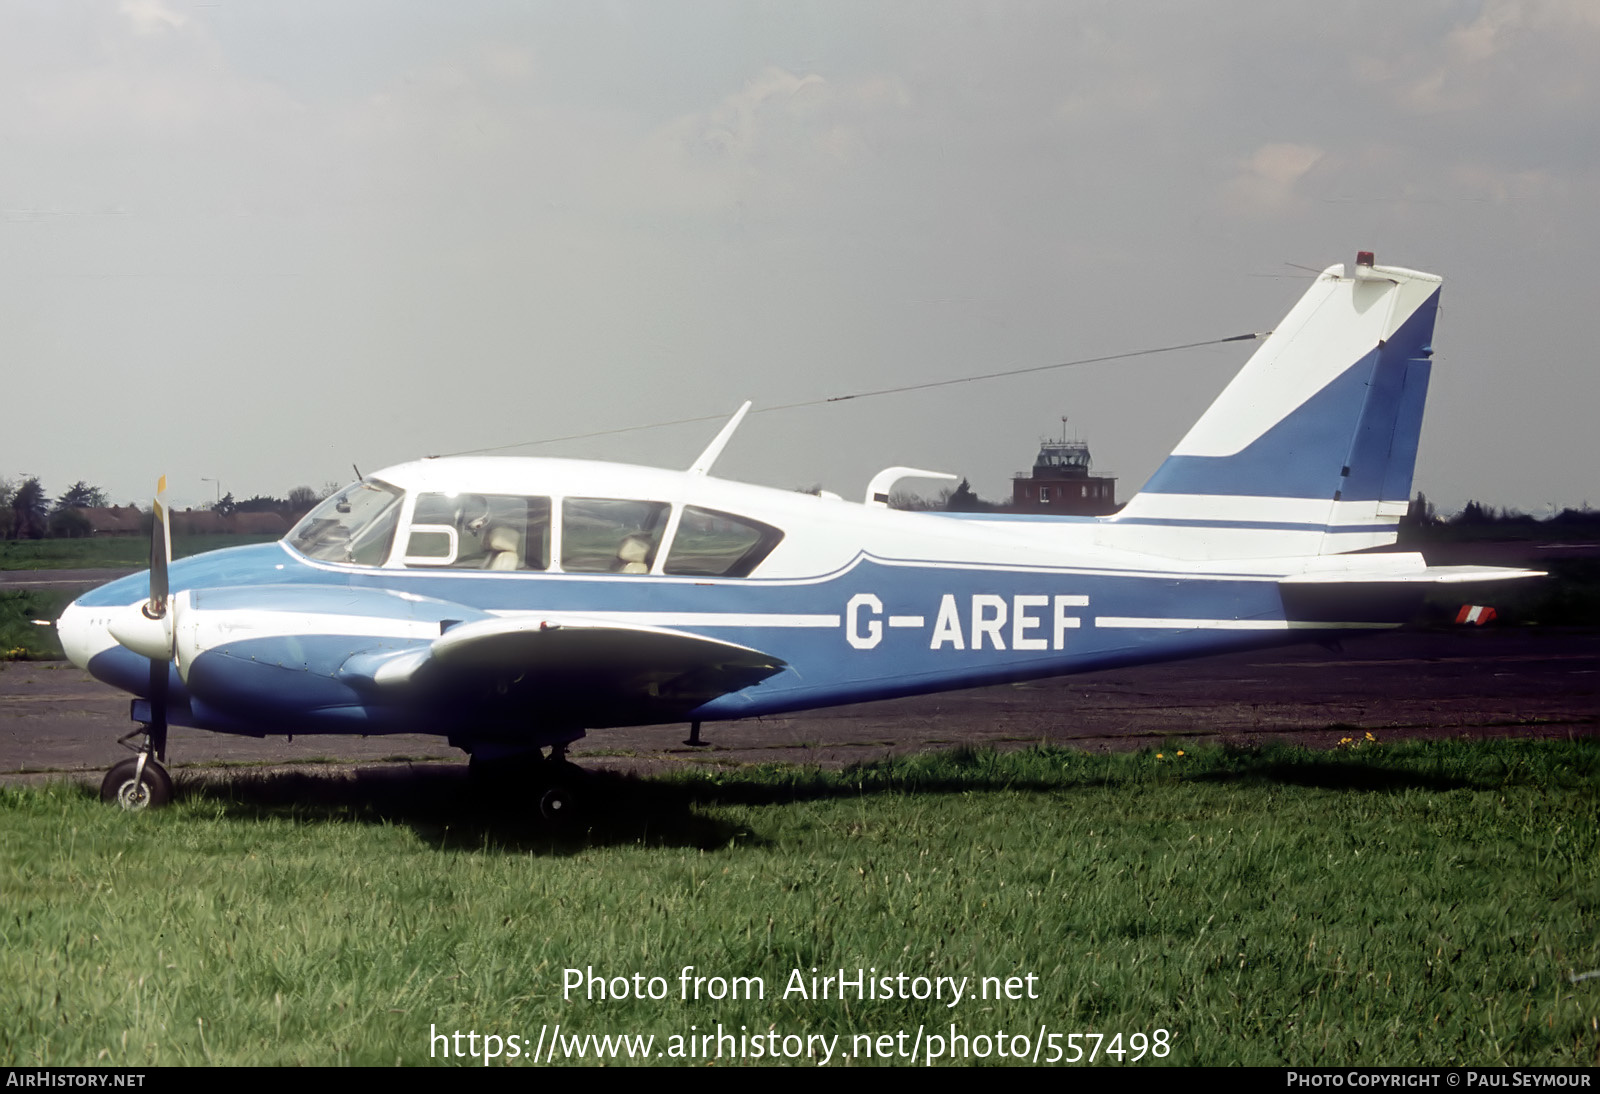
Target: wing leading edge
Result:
[564, 671]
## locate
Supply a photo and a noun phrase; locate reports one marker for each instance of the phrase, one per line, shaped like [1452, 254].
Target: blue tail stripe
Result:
[1299, 457]
[1367, 419]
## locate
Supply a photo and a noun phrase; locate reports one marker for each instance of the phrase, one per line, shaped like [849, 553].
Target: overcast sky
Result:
[261, 241]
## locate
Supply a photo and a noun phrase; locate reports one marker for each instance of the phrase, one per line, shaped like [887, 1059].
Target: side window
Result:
[606, 536]
[713, 544]
[480, 532]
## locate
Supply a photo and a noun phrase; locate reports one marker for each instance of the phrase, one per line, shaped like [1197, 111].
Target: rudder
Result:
[1310, 449]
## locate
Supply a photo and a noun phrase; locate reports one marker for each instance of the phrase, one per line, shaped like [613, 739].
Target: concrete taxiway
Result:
[56, 720]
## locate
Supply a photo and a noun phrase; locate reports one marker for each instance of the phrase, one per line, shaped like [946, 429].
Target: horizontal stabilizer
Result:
[1380, 588]
[1429, 575]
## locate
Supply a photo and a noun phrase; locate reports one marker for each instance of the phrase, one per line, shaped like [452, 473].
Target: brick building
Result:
[1060, 482]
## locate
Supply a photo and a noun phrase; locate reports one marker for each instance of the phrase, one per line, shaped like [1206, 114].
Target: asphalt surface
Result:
[58, 579]
[56, 720]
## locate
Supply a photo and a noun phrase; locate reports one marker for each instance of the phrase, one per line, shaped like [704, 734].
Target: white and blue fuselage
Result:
[521, 601]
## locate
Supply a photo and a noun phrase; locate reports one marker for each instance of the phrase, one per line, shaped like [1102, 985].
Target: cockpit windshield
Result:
[356, 525]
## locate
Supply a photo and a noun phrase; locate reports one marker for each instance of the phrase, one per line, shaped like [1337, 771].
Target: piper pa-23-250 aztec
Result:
[512, 604]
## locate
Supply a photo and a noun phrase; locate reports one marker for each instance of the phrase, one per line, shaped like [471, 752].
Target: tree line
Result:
[27, 511]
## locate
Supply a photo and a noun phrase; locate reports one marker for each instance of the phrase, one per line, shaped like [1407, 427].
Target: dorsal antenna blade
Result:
[703, 465]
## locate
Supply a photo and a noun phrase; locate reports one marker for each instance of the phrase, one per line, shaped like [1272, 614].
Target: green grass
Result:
[1411, 904]
[21, 639]
[105, 552]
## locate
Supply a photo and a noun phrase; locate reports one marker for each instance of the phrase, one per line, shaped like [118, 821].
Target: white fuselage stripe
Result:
[1137, 623]
[686, 619]
[1253, 509]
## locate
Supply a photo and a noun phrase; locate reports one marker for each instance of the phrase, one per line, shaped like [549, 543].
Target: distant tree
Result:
[963, 499]
[80, 495]
[1420, 512]
[68, 522]
[7, 520]
[225, 505]
[261, 503]
[30, 510]
[302, 498]
[1474, 513]
[913, 502]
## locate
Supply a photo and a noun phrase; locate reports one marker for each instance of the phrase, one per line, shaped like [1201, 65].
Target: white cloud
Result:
[1267, 180]
[779, 134]
[151, 16]
[1524, 54]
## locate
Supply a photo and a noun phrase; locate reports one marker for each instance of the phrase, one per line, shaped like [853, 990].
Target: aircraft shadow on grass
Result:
[448, 812]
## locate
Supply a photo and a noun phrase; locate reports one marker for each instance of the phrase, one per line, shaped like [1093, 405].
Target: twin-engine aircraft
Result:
[511, 605]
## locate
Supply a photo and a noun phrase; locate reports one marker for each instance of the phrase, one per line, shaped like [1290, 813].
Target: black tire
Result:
[558, 805]
[152, 790]
[565, 801]
[512, 783]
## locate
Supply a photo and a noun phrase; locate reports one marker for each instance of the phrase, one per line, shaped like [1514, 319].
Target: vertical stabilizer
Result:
[1310, 449]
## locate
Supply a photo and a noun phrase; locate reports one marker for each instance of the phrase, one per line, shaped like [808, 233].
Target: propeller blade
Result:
[160, 552]
[158, 612]
[146, 628]
[157, 728]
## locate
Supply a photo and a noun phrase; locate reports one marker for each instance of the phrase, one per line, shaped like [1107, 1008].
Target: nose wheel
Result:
[137, 784]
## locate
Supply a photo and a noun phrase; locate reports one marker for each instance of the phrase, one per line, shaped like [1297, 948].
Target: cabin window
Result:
[479, 532]
[713, 544]
[356, 525]
[609, 536]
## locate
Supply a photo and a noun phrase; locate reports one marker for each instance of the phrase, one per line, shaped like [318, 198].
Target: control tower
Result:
[1060, 482]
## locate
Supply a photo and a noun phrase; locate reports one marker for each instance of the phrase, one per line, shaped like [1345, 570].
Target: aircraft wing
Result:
[512, 671]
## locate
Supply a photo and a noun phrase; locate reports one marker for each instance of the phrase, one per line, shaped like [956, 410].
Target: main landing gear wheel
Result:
[135, 789]
[558, 805]
[551, 785]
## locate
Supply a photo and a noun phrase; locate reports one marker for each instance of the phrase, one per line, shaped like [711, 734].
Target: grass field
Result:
[107, 551]
[1408, 904]
[20, 638]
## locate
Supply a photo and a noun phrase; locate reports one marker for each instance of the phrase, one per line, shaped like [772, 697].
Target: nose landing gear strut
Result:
[141, 782]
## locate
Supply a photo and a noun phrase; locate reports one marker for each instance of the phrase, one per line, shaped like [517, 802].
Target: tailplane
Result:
[1310, 450]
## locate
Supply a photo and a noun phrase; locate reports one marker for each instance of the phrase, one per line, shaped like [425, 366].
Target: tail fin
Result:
[1310, 450]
